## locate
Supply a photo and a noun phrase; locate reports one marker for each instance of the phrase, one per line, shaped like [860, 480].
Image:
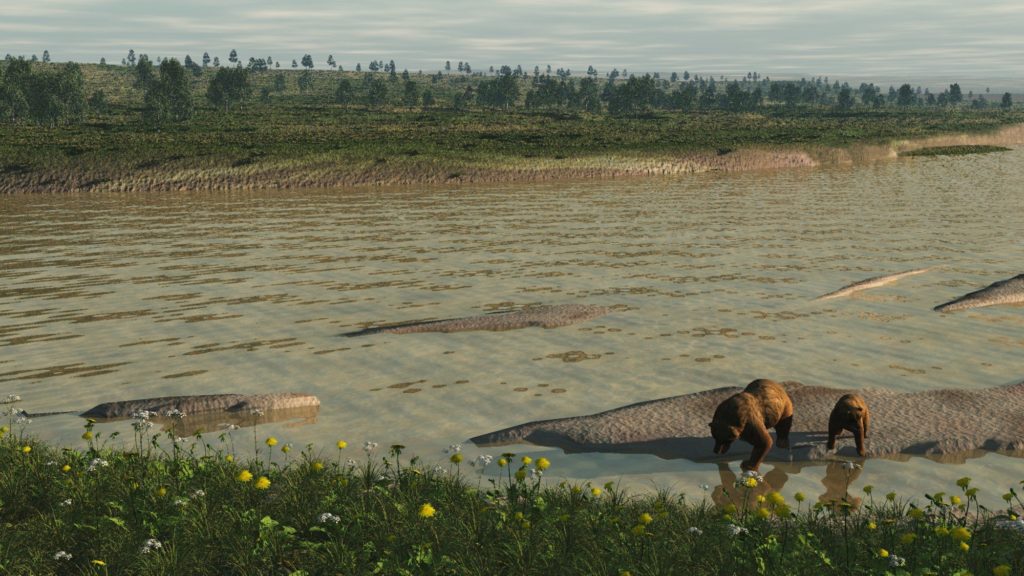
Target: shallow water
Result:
[106, 297]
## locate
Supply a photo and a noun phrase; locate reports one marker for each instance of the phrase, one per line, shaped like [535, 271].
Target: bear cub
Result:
[851, 413]
[763, 404]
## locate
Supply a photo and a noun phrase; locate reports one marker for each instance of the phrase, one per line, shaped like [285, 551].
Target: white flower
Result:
[369, 446]
[328, 517]
[230, 427]
[142, 425]
[705, 487]
[736, 530]
[847, 465]
[97, 463]
[896, 561]
[11, 399]
[181, 440]
[1016, 525]
[150, 545]
[452, 448]
[696, 531]
[22, 419]
[62, 555]
[180, 502]
[143, 414]
[482, 460]
[351, 463]
[256, 412]
[66, 503]
[438, 469]
[535, 474]
[174, 413]
[198, 494]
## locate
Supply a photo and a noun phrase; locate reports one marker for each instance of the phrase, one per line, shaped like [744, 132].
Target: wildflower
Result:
[180, 440]
[1008, 496]
[263, 483]
[729, 508]
[799, 497]
[521, 474]
[230, 458]
[65, 468]
[954, 500]
[776, 498]
[847, 465]
[342, 444]
[964, 482]
[62, 555]
[890, 496]
[97, 463]
[142, 415]
[916, 513]
[761, 499]
[199, 493]
[750, 482]
[369, 446]
[318, 466]
[883, 552]
[66, 503]
[535, 474]
[502, 462]
[26, 449]
[180, 502]
[639, 530]
[482, 460]
[764, 513]
[908, 538]
[960, 534]
[99, 562]
[286, 448]
[941, 531]
[455, 458]
[351, 463]
[872, 525]
[328, 517]
[543, 464]
[4, 430]
[453, 448]
[244, 476]
[174, 413]
[736, 530]
[646, 518]
[271, 441]
[23, 419]
[161, 492]
[150, 545]
[1001, 570]
[971, 492]
[705, 487]
[868, 488]
[426, 510]
[695, 531]
[527, 460]
[595, 491]
[897, 561]
[965, 547]
[11, 399]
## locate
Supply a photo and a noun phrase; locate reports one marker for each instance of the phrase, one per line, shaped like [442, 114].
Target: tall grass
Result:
[167, 505]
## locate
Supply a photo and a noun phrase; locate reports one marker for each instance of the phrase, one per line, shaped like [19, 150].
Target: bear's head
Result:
[724, 434]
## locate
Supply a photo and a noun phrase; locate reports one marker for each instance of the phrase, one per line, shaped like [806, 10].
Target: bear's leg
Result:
[762, 442]
[858, 435]
[782, 431]
[834, 429]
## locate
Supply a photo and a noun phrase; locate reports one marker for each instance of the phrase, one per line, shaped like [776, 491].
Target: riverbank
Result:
[185, 506]
[283, 147]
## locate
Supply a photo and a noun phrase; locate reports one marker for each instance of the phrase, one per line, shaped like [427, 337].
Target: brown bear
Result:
[763, 404]
[850, 413]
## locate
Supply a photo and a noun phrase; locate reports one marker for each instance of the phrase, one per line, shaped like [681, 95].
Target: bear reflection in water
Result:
[839, 475]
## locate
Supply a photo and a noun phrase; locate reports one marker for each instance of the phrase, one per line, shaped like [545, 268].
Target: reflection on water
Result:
[113, 296]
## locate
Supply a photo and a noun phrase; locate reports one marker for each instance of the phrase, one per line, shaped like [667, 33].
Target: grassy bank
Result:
[189, 508]
[299, 139]
[954, 150]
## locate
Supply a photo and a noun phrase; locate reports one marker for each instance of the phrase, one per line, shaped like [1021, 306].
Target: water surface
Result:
[112, 296]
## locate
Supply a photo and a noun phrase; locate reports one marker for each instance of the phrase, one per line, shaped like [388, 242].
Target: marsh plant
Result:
[192, 509]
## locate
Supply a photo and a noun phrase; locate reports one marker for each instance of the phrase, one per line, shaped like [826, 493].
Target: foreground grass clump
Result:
[954, 150]
[191, 509]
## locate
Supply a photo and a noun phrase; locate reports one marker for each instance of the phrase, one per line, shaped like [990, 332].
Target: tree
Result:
[955, 95]
[307, 61]
[46, 56]
[216, 61]
[131, 57]
[279, 82]
[294, 63]
[376, 92]
[428, 99]
[359, 67]
[305, 80]
[98, 102]
[845, 99]
[229, 86]
[330, 61]
[44, 96]
[169, 96]
[905, 96]
[410, 94]
[206, 59]
[233, 56]
[145, 73]
[344, 94]
[1007, 101]
[501, 92]
[447, 65]
[103, 61]
[633, 97]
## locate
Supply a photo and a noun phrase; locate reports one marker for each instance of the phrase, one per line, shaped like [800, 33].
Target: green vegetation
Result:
[953, 150]
[184, 506]
[169, 127]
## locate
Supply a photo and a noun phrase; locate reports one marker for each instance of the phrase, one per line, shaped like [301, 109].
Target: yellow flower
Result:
[908, 538]
[521, 474]
[595, 491]
[286, 448]
[230, 458]
[971, 492]
[271, 441]
[960, 534]
[916, 513]
[456, 458]
[318, 465]
[883, 552]
[87, 435]
[427, 511]
[890, 496]
[502, 462]
[750, 482]
[764, 513]
[639, 530]
[941, 531]
[4, 430]
[527, 460]
[543, 464]
[1001, 570]
[776, 498]
[868, 488]
[964, 546]
[625, 573]
[1008, 496]
[26, 449]
[646, 518]
[964, 482]
[99, 562]
[782, 510]
[730, 508]
[872, 525]
[161, 491]
[954, 500]
[244, 476]
[65, 468]
[263, 483]
[799, 497]
[342, 444]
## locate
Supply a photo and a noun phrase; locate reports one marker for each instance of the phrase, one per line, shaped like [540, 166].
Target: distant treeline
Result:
[36, 91]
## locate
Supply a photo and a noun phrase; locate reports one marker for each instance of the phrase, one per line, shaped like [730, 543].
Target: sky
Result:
[978, 43]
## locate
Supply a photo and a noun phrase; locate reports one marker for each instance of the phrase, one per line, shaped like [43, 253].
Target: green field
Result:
[299, 138]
